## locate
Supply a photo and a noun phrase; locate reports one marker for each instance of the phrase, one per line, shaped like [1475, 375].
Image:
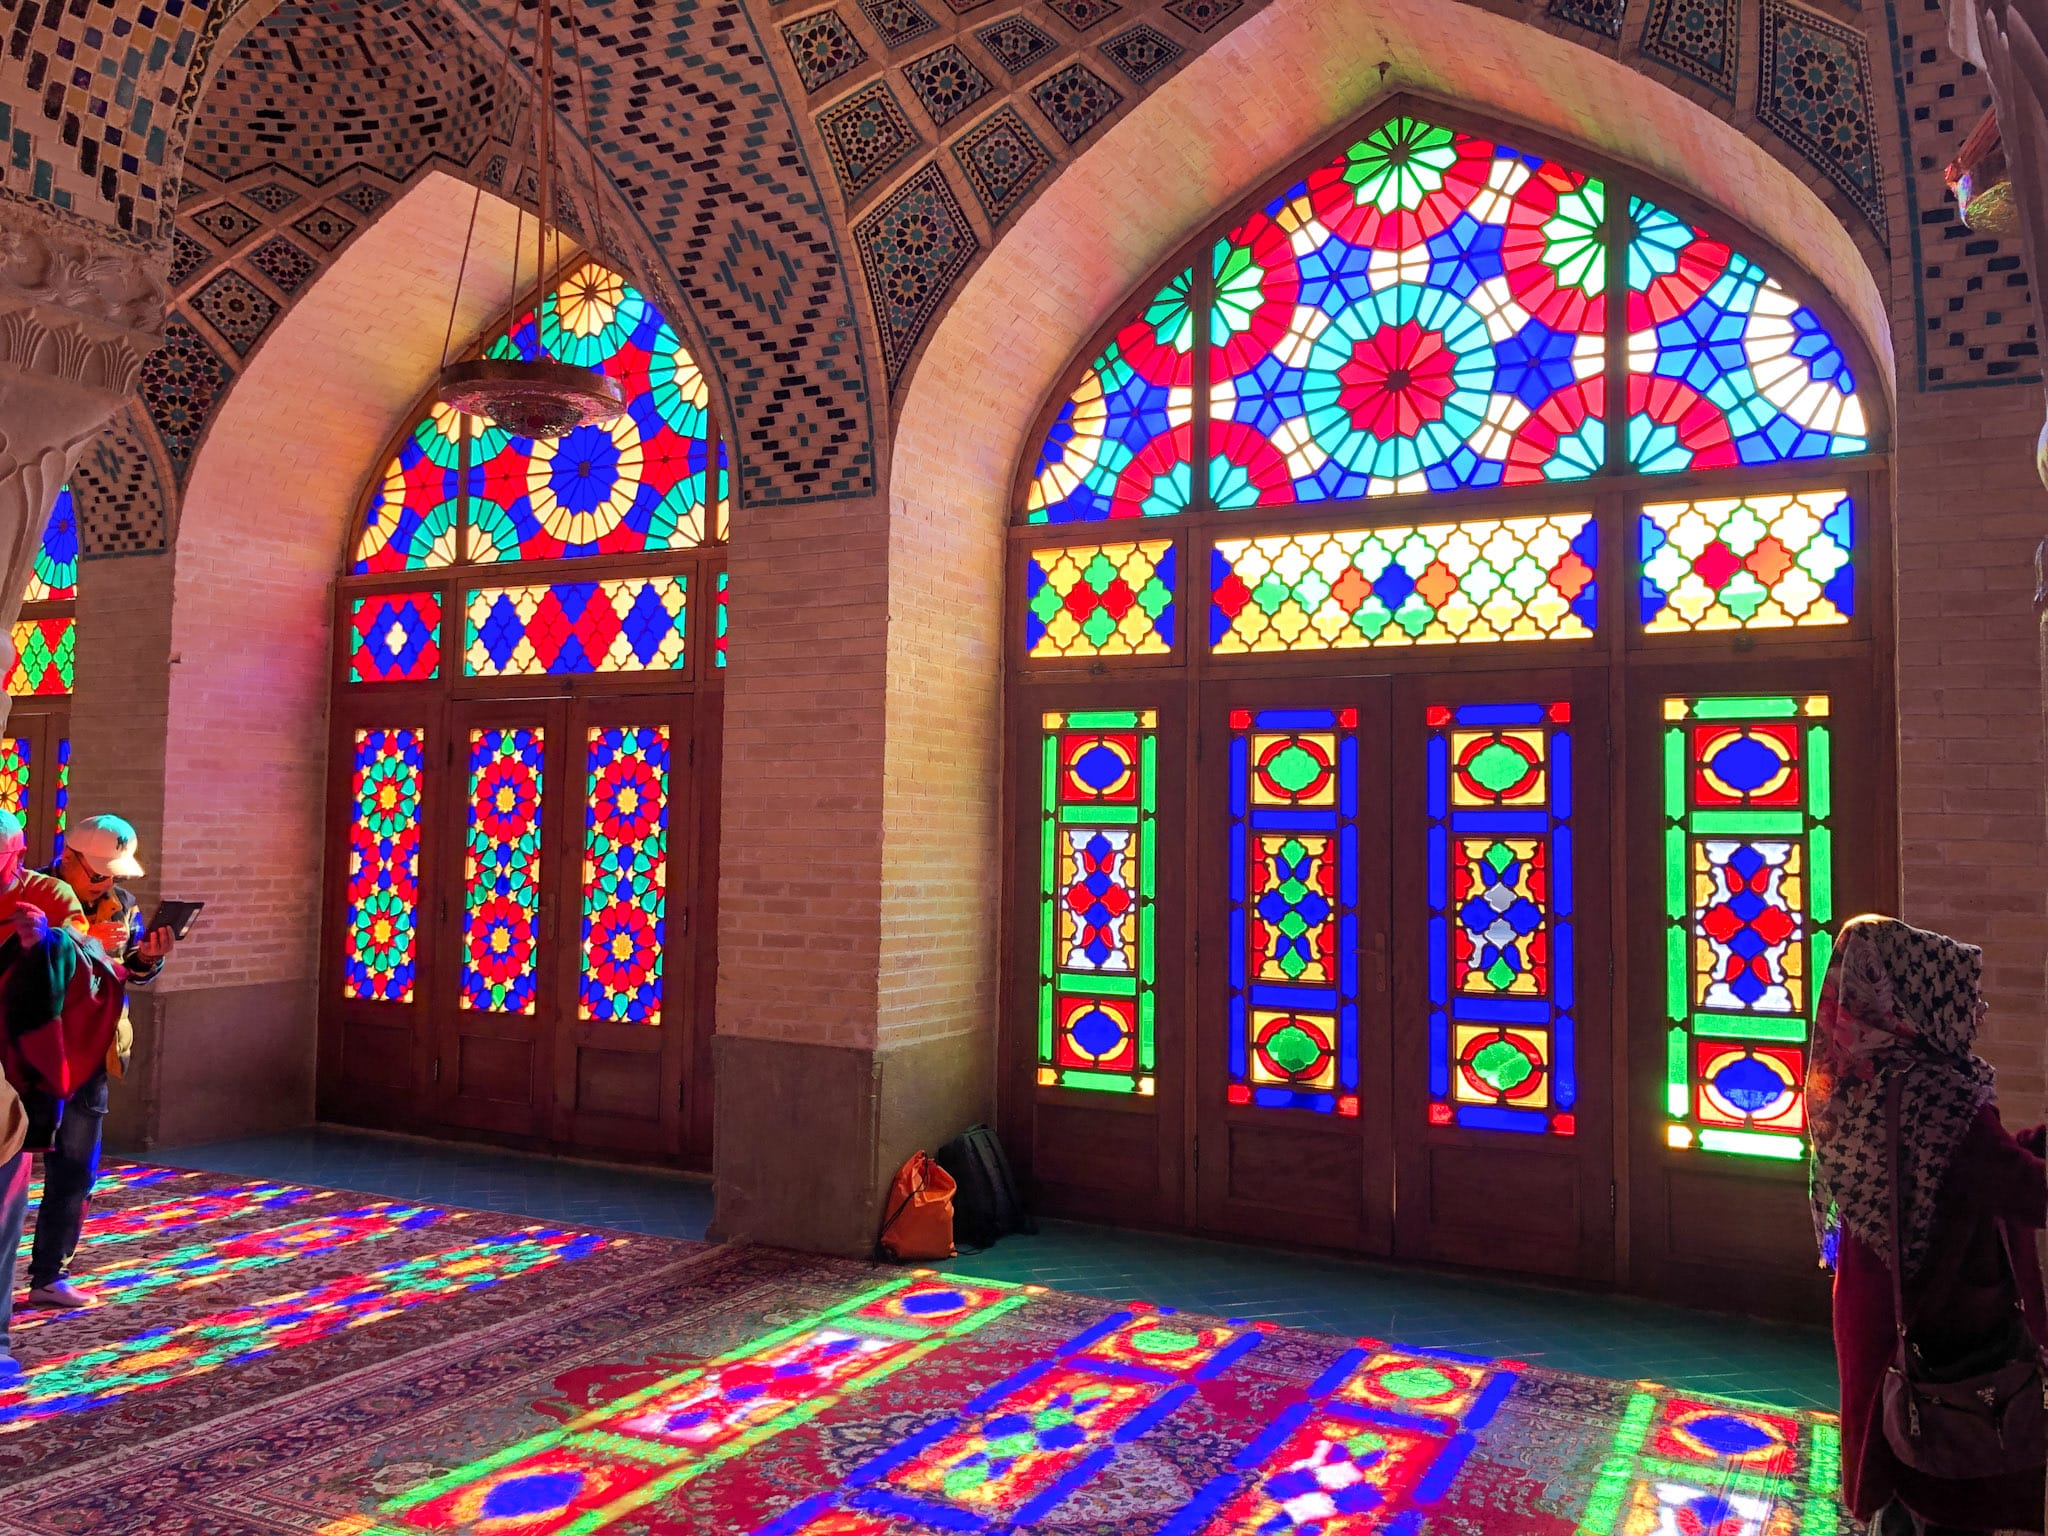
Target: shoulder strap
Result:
[1893, 1092]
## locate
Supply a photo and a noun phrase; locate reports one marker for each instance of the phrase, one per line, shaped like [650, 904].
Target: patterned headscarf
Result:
[1898, 1002]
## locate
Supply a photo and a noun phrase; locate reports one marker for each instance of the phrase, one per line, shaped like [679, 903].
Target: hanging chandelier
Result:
[539, 397]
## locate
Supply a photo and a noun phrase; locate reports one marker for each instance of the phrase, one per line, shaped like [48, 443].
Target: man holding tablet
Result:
[98, 852]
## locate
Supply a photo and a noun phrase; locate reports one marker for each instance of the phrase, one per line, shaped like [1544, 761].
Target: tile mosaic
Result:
[1016, 43]
[1075, 100]
[899, 21]
[1698, 38]
[823, 47]
[946, 82]
[866, 136]
[1813, 90]
[1003, 161]
[913, 247]
[1142, 52]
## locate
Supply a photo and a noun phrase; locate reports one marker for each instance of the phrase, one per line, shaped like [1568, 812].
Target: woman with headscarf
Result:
[1901, 1006]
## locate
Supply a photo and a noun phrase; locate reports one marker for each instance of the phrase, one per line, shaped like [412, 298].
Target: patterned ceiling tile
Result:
[947, 82]
[867, 136]
[1003, 161]
[187, 257]
[899, 21]
[913, 247]
[284, 264]
[1698, 38]
[1601, 16]
[962, 7]
[271, 197]
[1813, 90]
[1075, 100]
[366, 197]
[1203, 14]
[1016, 43]
[181, 380]
[1142, 52]
[823, 47]
[237, 309]
[1083, 14]
[119, 495]
[325, 228]
[226, 223]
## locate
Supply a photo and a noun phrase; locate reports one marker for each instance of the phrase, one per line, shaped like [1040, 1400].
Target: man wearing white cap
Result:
[98, 852]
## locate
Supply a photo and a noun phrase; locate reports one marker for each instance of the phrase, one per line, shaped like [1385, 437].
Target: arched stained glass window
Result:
[35, 754]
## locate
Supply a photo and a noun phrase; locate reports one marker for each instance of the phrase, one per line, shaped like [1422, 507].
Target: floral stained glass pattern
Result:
[719, 624]
[634, 624]
[1748, 562]
[396, 637]
[1121, 445]
[1503, 982]
[1492, 579]
[1724, 366]
[1098, 786]
[625, 873]
[63, 796]
[501, 871]
[1749, 899]
[382, 933]
[44, 651]
[16, 764]
[639, 483]
[54, 578]
[1425, 312]
[1294, 856]
[411, 520]
[1089, 600]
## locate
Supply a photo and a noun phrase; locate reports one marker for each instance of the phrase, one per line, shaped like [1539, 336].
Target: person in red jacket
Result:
[1903, 1005]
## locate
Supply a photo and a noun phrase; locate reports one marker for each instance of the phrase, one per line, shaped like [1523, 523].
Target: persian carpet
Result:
[630, 1386]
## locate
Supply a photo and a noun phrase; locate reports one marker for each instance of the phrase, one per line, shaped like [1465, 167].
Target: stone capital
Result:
[76, 310]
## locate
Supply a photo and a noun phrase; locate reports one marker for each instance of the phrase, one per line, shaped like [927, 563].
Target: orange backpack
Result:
[920, 1220]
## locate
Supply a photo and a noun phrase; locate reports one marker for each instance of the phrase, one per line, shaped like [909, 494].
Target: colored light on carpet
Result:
[1681, 1464]
[103, 1228]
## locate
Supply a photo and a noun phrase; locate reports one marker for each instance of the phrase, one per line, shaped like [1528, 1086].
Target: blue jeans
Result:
[14, 1175]
[69, 1168]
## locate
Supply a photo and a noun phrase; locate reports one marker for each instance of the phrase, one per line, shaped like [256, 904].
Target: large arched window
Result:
[35, 754]
[528, 668]
[1448, 654]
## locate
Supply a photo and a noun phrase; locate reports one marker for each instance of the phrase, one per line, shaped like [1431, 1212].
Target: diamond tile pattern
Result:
[283, 263]
[866, 136]
[823, 47]
[237, 309]
[325, 227]
[946, 82]
[226, 223]
[1813, 89]
[1142, 52]
[1075, 100]
[1003, 162]
[1016, 43]
[912, 247]
[1698, 38]
[899, 21]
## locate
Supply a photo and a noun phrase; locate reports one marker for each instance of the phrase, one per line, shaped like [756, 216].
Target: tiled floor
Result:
[1598, 1335]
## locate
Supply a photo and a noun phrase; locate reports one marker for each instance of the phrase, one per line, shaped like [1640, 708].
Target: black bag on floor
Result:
[987, 1205]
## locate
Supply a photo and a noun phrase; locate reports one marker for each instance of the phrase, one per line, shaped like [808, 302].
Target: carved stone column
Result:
[78, 315]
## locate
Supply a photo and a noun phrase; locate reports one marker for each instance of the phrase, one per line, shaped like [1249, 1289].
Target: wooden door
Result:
[502, 922]
[1293, 1050]
[1502, 1107]
[625, 873]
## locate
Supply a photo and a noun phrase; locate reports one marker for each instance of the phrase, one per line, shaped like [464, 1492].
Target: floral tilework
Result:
[1083, 14]
[899, 21]
[913, 247]
[1003, 161]
[947, 82]
[1142, 52]
[226, 223]
[237, 309]
[823, 48]
[325, 228]
[1075, 100]
[867, 136]
[187, 257]
[366, 197]
[283, 263]
[1203, 14]
[1698, 38]
[180, 382]
[1813, 90]
[1601, 16]
[1016, 43]
[272, 197]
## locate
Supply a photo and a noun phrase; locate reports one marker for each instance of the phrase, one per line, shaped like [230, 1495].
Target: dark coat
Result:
[1961, 1297]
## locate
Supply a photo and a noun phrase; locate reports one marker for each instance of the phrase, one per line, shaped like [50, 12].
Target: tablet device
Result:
[177, 916]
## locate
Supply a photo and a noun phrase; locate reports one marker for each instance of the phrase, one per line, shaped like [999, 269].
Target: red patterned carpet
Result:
[272, 1359]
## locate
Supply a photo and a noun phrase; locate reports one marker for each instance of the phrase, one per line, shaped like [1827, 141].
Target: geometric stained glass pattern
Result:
[625, 874]
[1749, 899]
[43, 657]
[410, 522]
[381, 923]
[55, 576]
[1294, 853]
[1748, 562]
[1097, 960]
[501, 880]
[1490, 579]
[1724, 366]
[396, 637]
[1099, 600]
[1502, 970]
[631, 624]
[1426, 311]
[16, 755]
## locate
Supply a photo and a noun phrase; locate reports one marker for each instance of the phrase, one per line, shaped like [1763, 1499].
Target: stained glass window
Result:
[1097, 965]
[383, 866]
[718, 625]
[410, 524]
[625, 873]
[43, 657]
[1489, 579]
[396, 637]
[1294, 876]
[1099, 600]
[55, 577]
[1120, 445]
[1726, 367]
[63, 795]
[1748, 562]
[16, 762]
[501, 874]
[1502, 971]
[1749, 898]
[634, 624]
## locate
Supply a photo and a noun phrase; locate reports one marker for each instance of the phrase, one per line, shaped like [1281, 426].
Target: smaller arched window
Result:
[35, 755]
